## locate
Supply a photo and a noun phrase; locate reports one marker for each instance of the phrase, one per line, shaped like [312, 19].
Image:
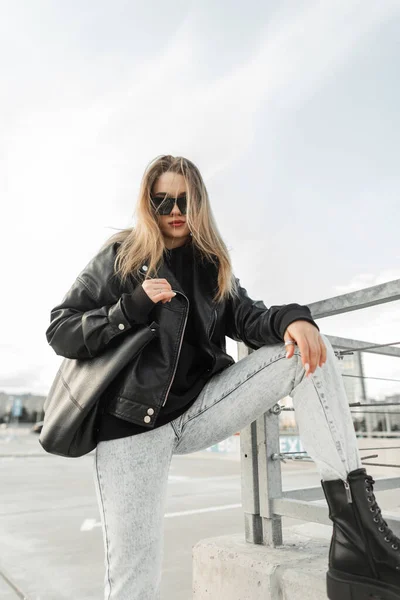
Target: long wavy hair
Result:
[145, 243]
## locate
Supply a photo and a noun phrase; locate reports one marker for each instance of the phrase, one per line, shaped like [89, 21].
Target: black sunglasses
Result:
[164, 204]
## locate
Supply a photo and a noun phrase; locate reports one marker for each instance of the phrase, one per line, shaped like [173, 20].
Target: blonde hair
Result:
[145, 243]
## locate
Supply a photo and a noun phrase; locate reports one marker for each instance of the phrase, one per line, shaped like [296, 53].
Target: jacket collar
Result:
[205, 280]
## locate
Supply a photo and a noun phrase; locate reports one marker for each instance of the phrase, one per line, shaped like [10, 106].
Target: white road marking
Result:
[190, 478]
[202, 510]
[89, 524]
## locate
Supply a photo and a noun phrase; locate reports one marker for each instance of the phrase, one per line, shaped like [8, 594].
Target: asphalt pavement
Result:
[51, 545]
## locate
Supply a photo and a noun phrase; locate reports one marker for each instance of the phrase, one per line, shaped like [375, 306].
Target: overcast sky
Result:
[290, 110]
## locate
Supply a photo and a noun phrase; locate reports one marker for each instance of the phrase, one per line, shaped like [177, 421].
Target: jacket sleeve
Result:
[251, 322]
[81, 328]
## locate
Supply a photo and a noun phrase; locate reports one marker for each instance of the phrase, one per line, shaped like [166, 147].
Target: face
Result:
[172, 184]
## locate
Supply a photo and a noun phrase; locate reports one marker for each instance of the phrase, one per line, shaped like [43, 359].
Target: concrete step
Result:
[228, 568]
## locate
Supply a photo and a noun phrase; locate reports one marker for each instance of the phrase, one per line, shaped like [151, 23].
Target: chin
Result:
[178, 233]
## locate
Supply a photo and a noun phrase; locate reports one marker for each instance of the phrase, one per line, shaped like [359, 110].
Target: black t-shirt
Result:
[190, 375]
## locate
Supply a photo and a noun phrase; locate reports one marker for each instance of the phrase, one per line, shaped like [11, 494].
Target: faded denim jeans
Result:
[131, 473]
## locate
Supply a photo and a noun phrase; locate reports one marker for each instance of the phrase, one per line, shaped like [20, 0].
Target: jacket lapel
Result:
[205, 281]
[205, 276]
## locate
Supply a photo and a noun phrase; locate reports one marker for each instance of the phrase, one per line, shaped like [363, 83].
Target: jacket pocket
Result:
[147, 335]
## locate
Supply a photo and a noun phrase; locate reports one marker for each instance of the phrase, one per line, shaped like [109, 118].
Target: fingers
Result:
[289, 347]
[310, 353]
[165, 295]
[323, 352]
[313, 353]
[158, 290]
[305, 353]
[168, 296]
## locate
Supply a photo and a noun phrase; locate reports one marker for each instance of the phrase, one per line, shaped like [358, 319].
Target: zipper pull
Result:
[348, 491]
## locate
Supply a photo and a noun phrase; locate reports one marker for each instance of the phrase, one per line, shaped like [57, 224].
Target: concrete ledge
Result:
[228, 568]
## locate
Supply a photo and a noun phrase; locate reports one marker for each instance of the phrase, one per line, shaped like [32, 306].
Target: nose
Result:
[175, 212]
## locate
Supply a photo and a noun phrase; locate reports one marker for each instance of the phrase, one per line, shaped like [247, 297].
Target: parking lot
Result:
[51, 544]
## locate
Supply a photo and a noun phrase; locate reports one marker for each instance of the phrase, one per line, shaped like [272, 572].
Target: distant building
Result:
[32, 407]
[352, 373]
[383, 419]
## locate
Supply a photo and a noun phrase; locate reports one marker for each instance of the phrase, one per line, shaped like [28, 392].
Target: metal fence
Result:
[263, 500]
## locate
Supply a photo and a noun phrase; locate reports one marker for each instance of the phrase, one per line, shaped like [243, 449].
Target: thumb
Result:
[290, 347]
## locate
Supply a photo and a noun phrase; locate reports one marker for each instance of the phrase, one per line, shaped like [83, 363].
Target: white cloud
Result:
[76, 148]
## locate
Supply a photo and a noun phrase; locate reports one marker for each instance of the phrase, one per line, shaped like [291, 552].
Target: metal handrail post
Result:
[261, 477]
[269, 475]
[249, 474]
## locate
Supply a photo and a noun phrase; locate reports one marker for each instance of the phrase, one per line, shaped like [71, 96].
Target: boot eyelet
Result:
[394, 547]
[369, 500]
[386, 539]
[376, 519]
[381, 529]
[372, 509]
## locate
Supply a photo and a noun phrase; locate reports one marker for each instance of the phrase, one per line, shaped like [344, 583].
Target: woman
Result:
[171, 275]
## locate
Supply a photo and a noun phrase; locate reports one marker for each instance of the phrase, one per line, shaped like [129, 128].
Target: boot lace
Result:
[374, 508]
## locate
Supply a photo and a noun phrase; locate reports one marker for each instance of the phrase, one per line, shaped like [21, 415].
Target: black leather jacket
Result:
[97, 311]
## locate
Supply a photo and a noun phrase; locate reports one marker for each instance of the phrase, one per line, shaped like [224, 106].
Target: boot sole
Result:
[343, 586]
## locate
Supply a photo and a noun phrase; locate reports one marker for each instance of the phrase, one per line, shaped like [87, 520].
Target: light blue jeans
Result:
[131, 473]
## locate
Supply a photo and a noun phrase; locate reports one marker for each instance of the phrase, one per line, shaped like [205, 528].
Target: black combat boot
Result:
[364, 554]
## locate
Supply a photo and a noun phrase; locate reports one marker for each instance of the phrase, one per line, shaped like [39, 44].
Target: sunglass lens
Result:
[182, 203]
[164, 205]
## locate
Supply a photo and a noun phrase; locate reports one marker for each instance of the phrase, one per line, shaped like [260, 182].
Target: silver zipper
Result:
[180, 345]
[348, 491]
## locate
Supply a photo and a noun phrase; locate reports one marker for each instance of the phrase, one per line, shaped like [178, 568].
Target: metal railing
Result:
[264, 503]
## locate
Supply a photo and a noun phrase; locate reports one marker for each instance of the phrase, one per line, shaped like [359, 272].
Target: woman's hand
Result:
[158, 289]
[310, 343]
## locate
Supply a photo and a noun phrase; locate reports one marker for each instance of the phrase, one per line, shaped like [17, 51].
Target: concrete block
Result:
[228, 568]
[308, 583]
